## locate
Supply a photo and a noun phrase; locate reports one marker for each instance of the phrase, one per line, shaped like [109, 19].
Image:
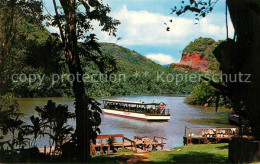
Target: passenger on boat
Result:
[159, 108]
[151, 110]
[163, 108]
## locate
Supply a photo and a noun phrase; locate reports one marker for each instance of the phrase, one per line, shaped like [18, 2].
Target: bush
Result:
[202, 94]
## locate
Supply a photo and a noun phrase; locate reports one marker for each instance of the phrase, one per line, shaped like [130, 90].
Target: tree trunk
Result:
[245, 15]
[73, 61]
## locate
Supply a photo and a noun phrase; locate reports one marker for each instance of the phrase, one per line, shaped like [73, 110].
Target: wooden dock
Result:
[138, 144]
[198, 135]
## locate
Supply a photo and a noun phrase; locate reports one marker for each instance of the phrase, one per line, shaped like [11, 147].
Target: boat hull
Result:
[137, 116]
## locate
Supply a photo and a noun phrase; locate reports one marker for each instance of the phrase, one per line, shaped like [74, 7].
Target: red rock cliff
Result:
[191, 62]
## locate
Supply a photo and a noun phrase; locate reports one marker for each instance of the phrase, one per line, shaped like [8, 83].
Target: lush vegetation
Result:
[203, 94]
[50, 122]
[138, 76]
[200, 45]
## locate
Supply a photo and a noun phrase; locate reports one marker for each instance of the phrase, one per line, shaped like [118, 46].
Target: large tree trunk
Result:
[245, 15]
[73, 61]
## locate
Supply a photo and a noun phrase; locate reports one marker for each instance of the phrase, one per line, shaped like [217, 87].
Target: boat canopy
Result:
[128, 102]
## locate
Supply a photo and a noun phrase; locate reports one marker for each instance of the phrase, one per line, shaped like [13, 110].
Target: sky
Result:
[142, 27]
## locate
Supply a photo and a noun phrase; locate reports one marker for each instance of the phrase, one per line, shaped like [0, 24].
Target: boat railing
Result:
[141, 110]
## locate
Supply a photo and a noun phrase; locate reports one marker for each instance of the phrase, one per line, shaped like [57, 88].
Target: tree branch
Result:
[58, 20]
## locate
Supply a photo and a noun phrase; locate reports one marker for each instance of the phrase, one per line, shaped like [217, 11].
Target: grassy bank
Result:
[213, 118]
[206, 153]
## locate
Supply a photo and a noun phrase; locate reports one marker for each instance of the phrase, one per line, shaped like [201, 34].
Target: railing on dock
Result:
[198, 135]
[138, 144]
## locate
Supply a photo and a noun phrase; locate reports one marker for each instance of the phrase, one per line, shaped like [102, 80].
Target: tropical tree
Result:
[11, 125]
[74, 18]
[52, 122]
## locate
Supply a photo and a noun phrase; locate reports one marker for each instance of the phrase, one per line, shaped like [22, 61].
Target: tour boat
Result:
[136, 110]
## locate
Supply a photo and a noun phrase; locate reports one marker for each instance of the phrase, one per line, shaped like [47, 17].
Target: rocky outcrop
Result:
[192, 62]
[197, 56]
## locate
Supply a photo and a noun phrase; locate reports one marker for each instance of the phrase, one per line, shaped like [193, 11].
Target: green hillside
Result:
[127, 59]
[145, 82]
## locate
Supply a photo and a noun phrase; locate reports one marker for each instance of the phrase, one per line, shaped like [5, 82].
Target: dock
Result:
[198, 135]
[138, 144]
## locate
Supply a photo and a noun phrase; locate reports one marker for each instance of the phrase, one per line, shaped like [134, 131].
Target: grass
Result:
[205, 153]
[216, 119]
[118, 157]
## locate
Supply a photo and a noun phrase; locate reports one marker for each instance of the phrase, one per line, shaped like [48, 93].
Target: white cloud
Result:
[162, 58]
[53, 29]
[146, 28]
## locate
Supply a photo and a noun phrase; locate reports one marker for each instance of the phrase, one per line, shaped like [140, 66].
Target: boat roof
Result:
[129, 102]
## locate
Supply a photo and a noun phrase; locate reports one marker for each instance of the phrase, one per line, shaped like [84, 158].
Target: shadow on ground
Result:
[194, 157]
[222, 147]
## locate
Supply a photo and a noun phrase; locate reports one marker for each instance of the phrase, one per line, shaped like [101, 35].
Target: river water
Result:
[173, 130]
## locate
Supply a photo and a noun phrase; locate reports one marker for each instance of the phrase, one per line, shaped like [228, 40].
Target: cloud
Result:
[162, 58]
[147, 28]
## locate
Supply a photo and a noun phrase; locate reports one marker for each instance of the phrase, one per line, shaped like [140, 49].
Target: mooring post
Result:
[123, 143]
[50, 150]
[108, 149]
[216, 135]
[44, 150]
[101, 146]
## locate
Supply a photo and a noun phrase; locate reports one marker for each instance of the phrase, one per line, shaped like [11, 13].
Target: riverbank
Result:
[213, 118]
[205, 153]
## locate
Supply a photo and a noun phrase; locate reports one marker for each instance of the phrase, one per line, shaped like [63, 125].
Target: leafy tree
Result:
[11, 125]
[203, 94]
[73, 18]
[53, 122]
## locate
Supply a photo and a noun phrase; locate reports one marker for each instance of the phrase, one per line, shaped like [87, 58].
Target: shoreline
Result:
[216, 119]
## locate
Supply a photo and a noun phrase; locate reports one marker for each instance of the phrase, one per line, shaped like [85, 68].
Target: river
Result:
[173, 130]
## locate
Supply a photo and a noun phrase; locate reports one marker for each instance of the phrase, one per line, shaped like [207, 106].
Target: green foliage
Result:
[129, 63]
[53, 122]
[111, 141]
[202, 93]
[199, 46]
[11, 125]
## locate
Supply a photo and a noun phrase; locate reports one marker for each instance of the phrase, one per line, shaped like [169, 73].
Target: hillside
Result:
[198, 56]
[128, 59]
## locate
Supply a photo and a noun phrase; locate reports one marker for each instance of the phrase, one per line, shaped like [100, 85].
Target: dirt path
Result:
[144, 157]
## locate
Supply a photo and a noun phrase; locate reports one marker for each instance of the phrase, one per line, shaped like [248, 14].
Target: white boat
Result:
[135, 110]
